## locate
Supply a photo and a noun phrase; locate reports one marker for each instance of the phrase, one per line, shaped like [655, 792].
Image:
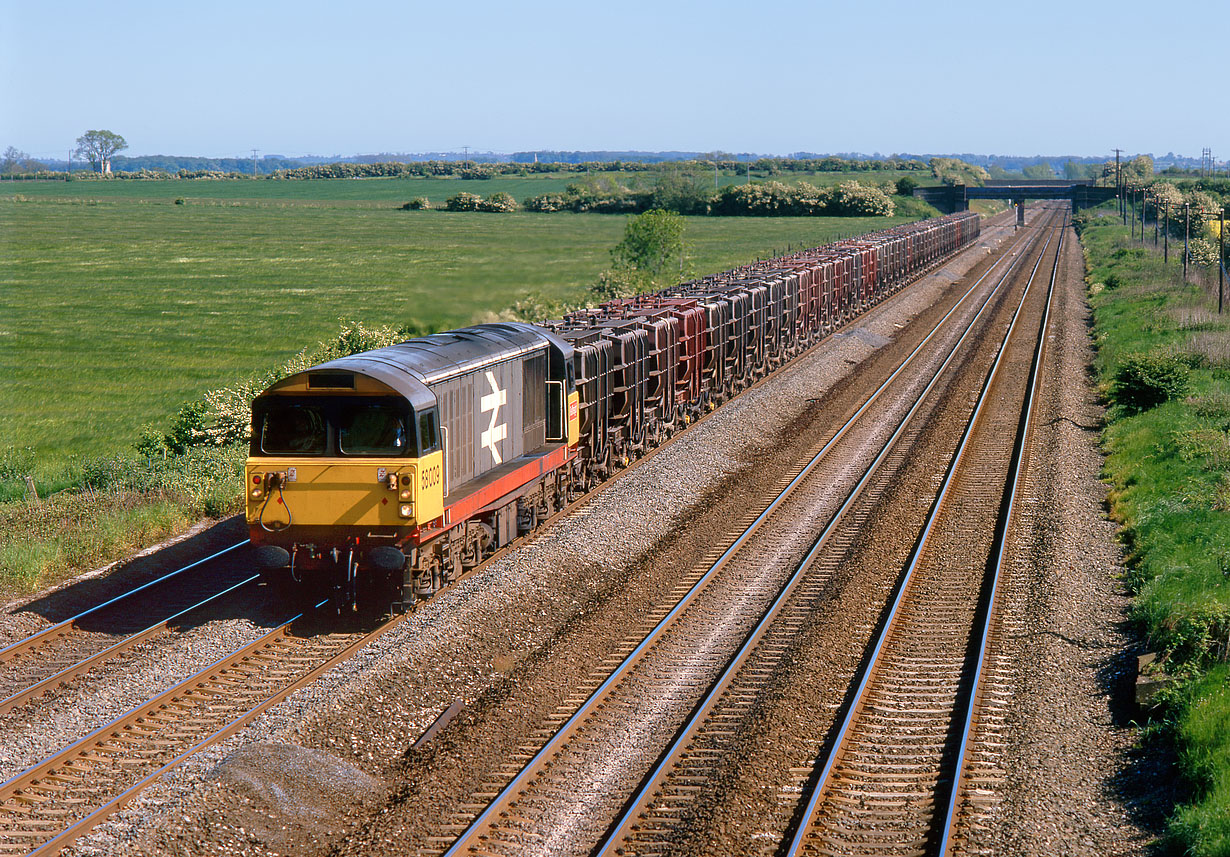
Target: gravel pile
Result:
[511, 641]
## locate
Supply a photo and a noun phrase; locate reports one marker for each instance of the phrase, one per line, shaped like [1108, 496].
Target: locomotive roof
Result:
[411, 367]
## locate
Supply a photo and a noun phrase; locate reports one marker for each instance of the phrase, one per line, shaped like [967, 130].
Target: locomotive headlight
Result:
[406, 510]
[406, 494]
[257, 492]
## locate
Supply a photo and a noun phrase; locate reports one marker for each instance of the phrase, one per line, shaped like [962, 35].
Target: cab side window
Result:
[429, 435]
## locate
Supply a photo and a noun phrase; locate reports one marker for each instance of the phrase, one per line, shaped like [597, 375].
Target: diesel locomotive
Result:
[384, 475]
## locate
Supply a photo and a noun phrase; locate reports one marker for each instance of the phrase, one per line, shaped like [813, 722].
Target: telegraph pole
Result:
[1221, 260]
[1187, 228]
[1144, 213]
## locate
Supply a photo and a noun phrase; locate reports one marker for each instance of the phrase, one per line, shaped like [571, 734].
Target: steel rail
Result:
[621, 829]
[1001, 539]
[10, 785]
[798, 841]
[12, 649]
[82, 666]
[63, 759]
[84, 825]
[593, 701]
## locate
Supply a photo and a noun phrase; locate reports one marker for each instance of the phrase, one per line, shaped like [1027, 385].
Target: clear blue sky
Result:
[775, 76]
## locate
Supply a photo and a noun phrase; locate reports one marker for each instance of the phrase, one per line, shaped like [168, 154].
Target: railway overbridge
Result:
[1081, 194]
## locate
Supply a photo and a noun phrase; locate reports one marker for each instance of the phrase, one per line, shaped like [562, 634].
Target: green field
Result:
[117, 306]
[380, 192]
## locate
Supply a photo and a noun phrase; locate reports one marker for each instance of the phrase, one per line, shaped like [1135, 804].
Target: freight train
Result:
[385, 475]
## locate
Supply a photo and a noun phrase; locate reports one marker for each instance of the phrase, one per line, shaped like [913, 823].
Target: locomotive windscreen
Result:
[371, 430]
[342, 426]
[293, 429]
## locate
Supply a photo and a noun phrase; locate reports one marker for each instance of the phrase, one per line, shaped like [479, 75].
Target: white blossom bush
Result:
[464, 202]
[500, 201]
[852, 198]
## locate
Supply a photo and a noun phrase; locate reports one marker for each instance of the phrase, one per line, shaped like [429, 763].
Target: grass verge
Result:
[1163, 361]
[126, 503]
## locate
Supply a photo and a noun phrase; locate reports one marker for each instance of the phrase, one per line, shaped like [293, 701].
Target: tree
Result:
[683, 192]
[16, 161]
[652, 242]
[97, 147]
[1077, 171]
[1138, 171]
[906, 186]
[1041, 170]
[952, 171]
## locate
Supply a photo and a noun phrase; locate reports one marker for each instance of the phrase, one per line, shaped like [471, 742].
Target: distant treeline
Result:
[471, 170]
[207, 168]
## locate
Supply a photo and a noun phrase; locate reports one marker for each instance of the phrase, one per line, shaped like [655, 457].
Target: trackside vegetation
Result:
[1163, 362]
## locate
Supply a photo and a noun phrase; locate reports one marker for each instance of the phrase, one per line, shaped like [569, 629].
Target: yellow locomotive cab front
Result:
[343, 492]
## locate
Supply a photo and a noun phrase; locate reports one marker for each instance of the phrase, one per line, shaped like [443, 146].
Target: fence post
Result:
[1166, 235]
[1142, 214]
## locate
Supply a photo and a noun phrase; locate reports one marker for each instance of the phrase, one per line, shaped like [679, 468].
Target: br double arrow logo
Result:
[496, 430]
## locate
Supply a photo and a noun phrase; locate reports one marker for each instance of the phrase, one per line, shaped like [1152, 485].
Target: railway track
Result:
[553, 793]
[653, 813]
[887, 783]
[52, 803]
[68, 649]
[977, 765]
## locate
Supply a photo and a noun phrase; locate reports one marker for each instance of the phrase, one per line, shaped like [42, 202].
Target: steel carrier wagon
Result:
[402, 466]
